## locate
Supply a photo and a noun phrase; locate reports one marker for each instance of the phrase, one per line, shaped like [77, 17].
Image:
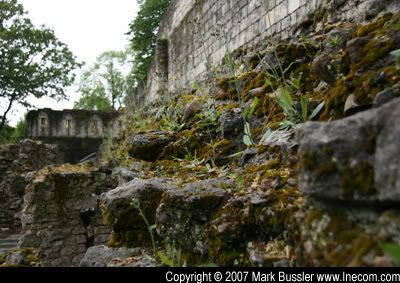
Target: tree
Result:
[13, 135]
[6, 134]
[143, 31]
[19, 131]
[32, 60]
[104, 84]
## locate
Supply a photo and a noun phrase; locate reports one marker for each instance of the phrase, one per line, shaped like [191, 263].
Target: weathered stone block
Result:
[353, 159]
[149, 146]
[183, 213]
[61, 212]
[122, 208]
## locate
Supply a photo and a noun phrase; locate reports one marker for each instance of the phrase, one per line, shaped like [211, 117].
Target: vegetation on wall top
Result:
[143, 33]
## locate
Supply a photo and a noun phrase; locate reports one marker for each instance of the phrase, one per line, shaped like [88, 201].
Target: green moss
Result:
[358, 180]
[336, 100]
[227, 87]
[106, 214]
[334, 240]
[227, 107]
[190, 140]
[364, 30]
[219, 149]
[253, 81]
[362, 79]
[326, 169]
[31, 255]
[308, 161]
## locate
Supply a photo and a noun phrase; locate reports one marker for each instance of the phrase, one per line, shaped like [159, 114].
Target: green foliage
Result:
[311, 41]
[239, 183]
[189, 156]
[266, 135]
[209, 117]
[247, 113]
[197, 86]
[136, 204]
[172, 257]
[143, 32]
[104, 84]
[393, 250]
[171, 124]
[6, 134]
[19, 131]
[13, 135]
[396, 53]
[334, 41]
[93, 99]
[32, 62]
[248, 137]
[286, 102]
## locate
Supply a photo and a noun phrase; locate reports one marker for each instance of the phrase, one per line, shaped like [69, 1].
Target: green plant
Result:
[334, 40]
[172, 257]
[189, 156]
[136, 204]
[304, 109]
[266, 135]
[247, 113]
[171, 124]
[239, 183]
[13, 135]
[138, 122]
[210, 117]
[195, 163]
[393, 250]
[285, 101]
[197, 86]
[248, 137]
[311, 41]
[288, 105]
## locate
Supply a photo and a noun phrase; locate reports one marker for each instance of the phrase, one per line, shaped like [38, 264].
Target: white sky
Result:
[88, 27]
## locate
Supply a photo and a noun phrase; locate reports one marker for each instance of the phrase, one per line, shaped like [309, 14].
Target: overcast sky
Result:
[88, 27]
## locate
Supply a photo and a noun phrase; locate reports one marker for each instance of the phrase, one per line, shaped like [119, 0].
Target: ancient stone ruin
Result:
[268, 137]
[77, 133]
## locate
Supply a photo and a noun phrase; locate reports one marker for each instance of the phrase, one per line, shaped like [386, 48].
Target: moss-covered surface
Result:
[374, 72]
[199, 152]
[31, 258]
[358, 181]
[331, 239]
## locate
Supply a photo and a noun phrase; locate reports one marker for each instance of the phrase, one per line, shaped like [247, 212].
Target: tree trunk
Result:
[4, 118]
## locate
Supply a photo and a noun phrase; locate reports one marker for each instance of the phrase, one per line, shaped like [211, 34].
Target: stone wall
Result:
[78, 133]
[61, 219]
[196, 33]
[16, 161]
[72, 123]
[349, 174]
